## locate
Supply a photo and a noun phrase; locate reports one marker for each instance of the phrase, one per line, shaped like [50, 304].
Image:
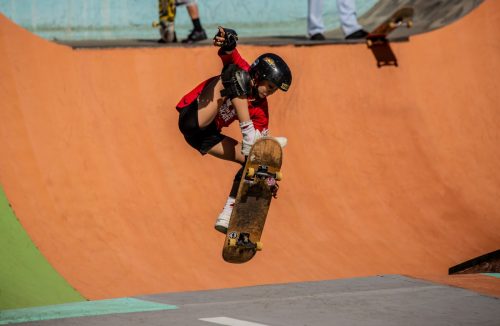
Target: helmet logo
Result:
[270, 61]
[284, 86]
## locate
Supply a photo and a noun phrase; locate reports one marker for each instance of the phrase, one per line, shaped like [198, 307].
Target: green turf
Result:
[26, 278]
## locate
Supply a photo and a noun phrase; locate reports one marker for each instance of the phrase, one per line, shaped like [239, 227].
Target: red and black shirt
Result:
[257, 107]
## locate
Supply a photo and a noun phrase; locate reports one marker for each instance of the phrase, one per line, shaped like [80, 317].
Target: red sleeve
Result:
[233, 57]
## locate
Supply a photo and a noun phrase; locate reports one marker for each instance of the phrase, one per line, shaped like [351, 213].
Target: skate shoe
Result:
[222, 221]
[195, 36]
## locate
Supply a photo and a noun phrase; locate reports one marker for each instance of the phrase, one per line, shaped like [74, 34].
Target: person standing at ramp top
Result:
[197, 33]
[239, 93]
[167, 13]
[348, 20]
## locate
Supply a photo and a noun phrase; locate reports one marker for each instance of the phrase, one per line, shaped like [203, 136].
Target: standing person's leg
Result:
[315, 25]
[349, 20]
[194, 13]
[198, 33]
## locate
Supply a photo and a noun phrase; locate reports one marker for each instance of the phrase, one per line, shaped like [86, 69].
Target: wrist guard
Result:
[230, 39]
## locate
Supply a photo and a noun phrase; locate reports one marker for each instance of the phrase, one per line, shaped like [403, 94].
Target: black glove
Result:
[230, 38]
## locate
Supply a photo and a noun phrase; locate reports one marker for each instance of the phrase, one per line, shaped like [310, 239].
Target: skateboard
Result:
[166, 13]
[377, 41]
[258, 186]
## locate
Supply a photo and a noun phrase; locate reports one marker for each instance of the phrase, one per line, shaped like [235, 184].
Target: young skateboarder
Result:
[239, 93]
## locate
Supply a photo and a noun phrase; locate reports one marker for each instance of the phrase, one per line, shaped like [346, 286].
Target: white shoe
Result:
[282, 140]
[265, 133]
[222, 222]
[247, 145]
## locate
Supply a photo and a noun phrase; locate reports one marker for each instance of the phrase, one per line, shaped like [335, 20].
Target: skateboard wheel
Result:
[232, 243]
[250, 172]
[409, 24]
[369, 43]
[259, 245]
[279, 176]
[393, 25]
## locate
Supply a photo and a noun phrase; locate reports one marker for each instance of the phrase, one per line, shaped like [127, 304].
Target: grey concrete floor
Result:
[378, 300]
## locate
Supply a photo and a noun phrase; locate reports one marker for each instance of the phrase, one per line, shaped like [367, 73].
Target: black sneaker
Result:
[195, 36]
[357, 35]
[317, 37]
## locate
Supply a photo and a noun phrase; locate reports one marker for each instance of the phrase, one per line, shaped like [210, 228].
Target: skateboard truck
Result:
[263, 173]
[243, 241]
[269, 178]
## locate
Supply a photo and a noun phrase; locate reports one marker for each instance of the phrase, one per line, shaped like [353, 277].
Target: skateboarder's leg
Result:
[228, 149]
[208, 105]
[222, 221]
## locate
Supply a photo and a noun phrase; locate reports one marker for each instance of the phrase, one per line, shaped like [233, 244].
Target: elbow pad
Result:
[236, 82]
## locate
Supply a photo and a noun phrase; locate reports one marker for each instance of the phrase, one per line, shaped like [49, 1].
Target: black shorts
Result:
[200, 139]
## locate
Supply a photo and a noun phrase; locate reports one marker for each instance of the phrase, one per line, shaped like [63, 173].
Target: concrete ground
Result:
[377, 300]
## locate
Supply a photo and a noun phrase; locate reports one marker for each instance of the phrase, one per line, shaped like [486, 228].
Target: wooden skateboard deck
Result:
[403, 16]
[377, 39]
[256, 190]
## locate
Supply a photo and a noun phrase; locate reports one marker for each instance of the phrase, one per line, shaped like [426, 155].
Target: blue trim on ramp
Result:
[80, 309]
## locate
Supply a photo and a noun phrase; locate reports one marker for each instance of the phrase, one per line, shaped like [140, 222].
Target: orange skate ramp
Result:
[391, 170]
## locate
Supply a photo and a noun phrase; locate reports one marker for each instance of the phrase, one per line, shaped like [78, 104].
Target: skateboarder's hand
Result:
[249, 136]
[226, 38]
[219, 37]
[249, 140]
[246, 146]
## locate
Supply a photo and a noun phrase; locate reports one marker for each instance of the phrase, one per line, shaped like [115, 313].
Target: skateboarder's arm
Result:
[227, 39]
[258, 124]
[241, 106]
[233, 57]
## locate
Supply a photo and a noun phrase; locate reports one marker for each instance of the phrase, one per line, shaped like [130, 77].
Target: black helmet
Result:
[271, 67]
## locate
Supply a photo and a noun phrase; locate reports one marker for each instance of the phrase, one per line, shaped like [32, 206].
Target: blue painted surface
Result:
[131, 19]
[497, 275]
[81, 309]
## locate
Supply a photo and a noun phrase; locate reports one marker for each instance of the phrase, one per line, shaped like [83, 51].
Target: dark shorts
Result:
[200, 139]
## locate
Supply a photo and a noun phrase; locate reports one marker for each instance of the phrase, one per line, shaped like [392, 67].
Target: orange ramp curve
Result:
[391, 170]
